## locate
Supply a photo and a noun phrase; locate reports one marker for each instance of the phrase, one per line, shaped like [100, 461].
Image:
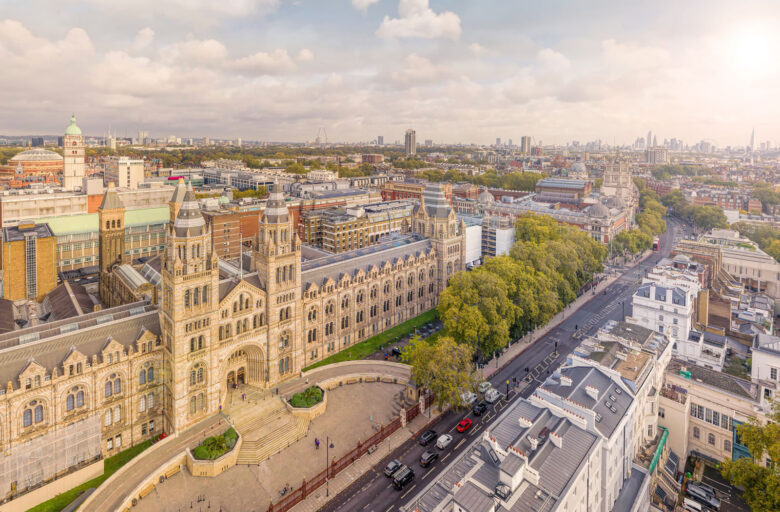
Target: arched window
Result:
[200, 374]
[200, 401]
[27, 417]
[192, 344]
[70, 403]
[142, 404]
[38, 413]
[80, 399]
[192, 405]
[192, 378]
[150, 374]
[108, 389]
[221, 332]
[150, 400]
[117, 386]
[281, 366]
[200, 342]
[142, 377]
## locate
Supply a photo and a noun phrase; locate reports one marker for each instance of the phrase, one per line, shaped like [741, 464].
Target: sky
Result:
[458, 71]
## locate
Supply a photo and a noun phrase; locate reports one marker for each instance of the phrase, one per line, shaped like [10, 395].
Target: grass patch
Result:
[371, 345]
[214, 447]
[307, 398]
[110, 466]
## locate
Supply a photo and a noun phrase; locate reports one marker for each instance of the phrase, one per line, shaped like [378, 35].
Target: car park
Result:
[392, 467]
[428, 457]
[402, 477]
[464, 425]
[492, 395]
[443, 441]
[479, 409]
[426, 437]
[702, 496]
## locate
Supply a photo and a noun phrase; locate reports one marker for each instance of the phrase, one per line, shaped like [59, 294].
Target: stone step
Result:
[252, 424]
[255, 451]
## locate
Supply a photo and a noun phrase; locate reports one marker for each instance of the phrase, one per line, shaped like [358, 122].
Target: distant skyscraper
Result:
[655, 141]
[238, 142]
[498, 141]
[649, 138]
[510, 143]
[753, 140]
[36, 142]
[410, 142]
[380, 140]
[525, 144]
[428, 143]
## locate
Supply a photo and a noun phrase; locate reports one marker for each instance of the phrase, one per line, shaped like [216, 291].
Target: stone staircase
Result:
[265, 424]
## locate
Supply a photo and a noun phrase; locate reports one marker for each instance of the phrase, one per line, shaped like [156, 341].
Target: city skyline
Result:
[273, 70]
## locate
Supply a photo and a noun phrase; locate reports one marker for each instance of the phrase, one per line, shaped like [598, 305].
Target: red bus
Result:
[656, 244]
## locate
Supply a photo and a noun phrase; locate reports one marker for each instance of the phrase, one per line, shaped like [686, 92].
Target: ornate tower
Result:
[190, 294]
[111, 228]
[176, 199]
[434, 218]
[72, 156]
[277, 259]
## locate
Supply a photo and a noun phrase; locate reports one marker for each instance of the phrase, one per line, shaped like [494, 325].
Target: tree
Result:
[443, 367]
[760, 481]
[476, 309]
[296, 168]
[708, 217]
[674, 200]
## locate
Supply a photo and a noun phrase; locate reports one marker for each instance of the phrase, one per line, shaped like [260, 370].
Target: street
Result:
[374, 492]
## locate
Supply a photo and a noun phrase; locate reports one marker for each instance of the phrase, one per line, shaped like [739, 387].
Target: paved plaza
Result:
[353, 412]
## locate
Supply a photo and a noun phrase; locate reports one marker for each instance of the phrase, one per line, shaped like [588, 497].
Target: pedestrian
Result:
[243, 396]
[317, 443]
[277, 391]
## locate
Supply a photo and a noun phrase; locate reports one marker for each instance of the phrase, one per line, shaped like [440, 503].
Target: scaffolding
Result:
[32, 464]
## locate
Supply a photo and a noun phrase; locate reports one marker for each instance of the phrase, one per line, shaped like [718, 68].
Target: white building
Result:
[73, 165]
[410, 142]
[568, 448]
[124, 172]
[765, 368]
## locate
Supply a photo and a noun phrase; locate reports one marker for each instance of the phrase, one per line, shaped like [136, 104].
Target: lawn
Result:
[214, 447]
[371, 345]
[110, 466]
[307, 398]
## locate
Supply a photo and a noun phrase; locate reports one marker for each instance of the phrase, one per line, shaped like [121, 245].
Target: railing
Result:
[336, 466]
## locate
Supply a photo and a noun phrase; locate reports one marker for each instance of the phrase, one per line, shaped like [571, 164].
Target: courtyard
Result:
[353, 413]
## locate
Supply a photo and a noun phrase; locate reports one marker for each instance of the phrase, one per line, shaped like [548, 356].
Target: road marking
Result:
[407, 492]
[459, 443]
[426, 474]
[445, 457]
[389, 508]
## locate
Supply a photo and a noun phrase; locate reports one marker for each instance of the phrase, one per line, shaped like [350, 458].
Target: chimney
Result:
[556, 439]
[565, 380]
[524, 422]
[592, 392]
[534, 442]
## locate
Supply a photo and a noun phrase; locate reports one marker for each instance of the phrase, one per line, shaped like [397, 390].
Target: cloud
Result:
[477, 49]
[263, 63]
[143, 39]
[418, 71]
[362, 5]
[304, 55]
[416, 19]
[196, 52]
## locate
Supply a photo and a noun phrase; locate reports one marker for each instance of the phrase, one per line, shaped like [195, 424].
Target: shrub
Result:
[307, 398]
[214, 447]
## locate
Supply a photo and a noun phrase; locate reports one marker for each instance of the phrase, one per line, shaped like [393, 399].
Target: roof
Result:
[436, 204]
[111, 199]
[36, 155]
[189, 221]
[147, 216]
[67, 301]
[767, 343]
[67, 224]
[722, 381]
[131, 276]
[583, 377]
[629, 492]
[561, 183]
[276, 207]
[392, 248]
[472, 498]
[72, 128]
[25, 230]
[179, 191]
[7, 314]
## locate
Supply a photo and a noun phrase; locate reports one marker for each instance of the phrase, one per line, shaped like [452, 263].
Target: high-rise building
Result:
[72, 156]
[124, 172]
[525, 144]
[410, 142]
[498, 141]
[753, 140]
[28, 261]
[656, 156]
[428, 143]
[655, 141]
[380, 140]
[36, 142]
[238, 142]
[509, 143]
[649, 138]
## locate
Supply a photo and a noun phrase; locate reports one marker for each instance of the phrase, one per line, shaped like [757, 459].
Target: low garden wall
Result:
[309, 413]
[214, 467]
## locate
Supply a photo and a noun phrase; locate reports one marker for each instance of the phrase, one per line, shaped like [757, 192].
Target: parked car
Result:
[392, 467]
[710, 489]
[427, 458]
[484, 386]
[464, 425]
[479, 409]
[402, 477]
[703, 497]
[468, 398]
[492, 395]
[443, 441]
[426, 437]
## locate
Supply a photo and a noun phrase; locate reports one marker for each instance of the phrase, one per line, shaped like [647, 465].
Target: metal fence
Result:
[338, 465]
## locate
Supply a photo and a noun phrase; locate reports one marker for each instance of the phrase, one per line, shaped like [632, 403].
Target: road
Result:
[373, 492]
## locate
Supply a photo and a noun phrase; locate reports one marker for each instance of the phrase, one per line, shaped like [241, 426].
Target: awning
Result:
[659, 449]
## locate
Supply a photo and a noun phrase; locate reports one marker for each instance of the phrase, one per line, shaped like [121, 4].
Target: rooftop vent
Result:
[598, 418]
[592, 392]
[617, 391]
[566, 380]
[612, 397]
[613, 409]
[608, 404]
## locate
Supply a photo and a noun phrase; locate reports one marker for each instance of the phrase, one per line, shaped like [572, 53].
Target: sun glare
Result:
[750, 52]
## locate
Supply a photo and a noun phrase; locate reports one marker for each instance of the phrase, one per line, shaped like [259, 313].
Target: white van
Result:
[492, 395]
[692, 506]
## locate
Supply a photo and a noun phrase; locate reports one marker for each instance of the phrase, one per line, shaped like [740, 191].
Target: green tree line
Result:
[705, 217]
[508, 181]
[767, 238]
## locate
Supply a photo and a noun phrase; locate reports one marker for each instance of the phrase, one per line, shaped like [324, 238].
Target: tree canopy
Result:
[705, 217]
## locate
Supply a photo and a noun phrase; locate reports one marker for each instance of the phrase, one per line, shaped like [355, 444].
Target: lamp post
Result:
[327, 464]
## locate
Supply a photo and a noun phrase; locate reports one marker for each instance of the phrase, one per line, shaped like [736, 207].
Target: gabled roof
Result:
[111, 199]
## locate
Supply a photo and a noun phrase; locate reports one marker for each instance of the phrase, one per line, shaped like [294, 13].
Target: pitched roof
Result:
[111, 199]
[189, 221]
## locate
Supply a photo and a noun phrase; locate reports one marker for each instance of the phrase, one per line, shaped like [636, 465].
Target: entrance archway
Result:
[231, 379]
[241, 376]
[245, 365]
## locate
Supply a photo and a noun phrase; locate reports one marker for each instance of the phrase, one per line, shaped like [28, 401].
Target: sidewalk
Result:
[526, 341]
[364, 464]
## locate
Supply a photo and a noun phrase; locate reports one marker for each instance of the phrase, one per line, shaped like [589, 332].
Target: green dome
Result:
[73, 129]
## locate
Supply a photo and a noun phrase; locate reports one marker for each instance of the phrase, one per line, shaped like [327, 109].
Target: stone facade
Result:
[142, 368]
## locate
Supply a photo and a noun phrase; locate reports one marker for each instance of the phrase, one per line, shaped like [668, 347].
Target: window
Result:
[142, 404]
[110, 444]
[727, 445]
[150, 400]
[711, 439]
[27, 417]
[108, 389]
[118, 440]
[117, 386]
[696, 433]
[143, 429]
[142, 377]
[150, 374]
[773, 373]
[108, 418]
[80, 399]
[70, 403]
[661, 412]
[117, 414]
